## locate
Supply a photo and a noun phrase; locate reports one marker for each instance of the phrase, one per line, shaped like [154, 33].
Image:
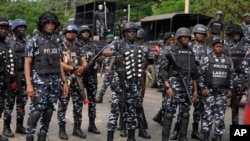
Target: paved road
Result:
[152, 102]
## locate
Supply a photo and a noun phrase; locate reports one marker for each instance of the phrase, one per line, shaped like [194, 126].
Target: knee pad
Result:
[185, 115]
[169, 116]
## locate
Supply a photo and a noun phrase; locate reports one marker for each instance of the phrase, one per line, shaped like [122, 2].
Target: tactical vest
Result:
[47, 61]
[75, 53]
[133, 58]
[90, 51]
[2, 62]
[185, 59]
[218, 72]
[18, 49]
[216, 27]
[237, 54]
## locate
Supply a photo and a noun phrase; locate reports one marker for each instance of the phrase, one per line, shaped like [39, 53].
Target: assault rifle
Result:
[171, 58]
[92, 61]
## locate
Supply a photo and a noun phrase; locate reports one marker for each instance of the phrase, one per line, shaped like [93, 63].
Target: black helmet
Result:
[140, 33]
[4, 22]
[70, 28]
[168, 35]
[200, 28]
[130, 26]
[18, 22]
[233, 29]
[218, 12]
[46, 17]
[182, 31]
[85, 28]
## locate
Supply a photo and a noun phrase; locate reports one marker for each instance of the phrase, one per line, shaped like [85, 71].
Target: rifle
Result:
[92, 61]
[121, 74]
[171, 58]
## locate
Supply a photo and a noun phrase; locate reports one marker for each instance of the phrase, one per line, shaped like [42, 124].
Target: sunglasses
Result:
[130, 31]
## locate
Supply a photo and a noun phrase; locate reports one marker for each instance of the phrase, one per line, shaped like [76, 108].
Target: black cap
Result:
[168, 35]
[4, 21]
[217, 41]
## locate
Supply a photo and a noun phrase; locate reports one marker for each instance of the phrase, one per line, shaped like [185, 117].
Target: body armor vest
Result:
[75, 55]
[47, 60]
[218, 73]
[237, 54]
[216, 27]
[18, 50]
[3, 54]
[185, 59]
[133, 58]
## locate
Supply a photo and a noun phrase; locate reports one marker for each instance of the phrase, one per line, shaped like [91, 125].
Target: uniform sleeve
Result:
[30, 47]
[201, 80]
[163, 66]
[232, 74]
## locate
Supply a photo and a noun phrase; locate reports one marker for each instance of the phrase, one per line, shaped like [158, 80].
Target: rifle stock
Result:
[171, 58]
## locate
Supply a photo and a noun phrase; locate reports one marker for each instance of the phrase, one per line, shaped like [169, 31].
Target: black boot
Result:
[195, 134]
[183, 126]
[216, 138]
[110, 136]
[19, 126]
[92, 128]
[168, 117]
[41, 137]
[4, 139]
[158, 118]
[144, 134]
[29, 138]
[205, 136]
[6, 129]
[123, 132]
[78, 132]
[62, 133]
[99, 99]
[131, 135]
[175, 134]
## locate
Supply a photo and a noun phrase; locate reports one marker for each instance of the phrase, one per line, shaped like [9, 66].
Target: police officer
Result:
[216, 83]
[74, 62]
[17, 44]
[141, 118]
[236, 51]
[201, 51]
[4, 62]
[181, 70]
[108, 74]
[127, 81]
[216, 26]
[100, 21]
[168, 40]
[246, 30]
[43, 69]
[90, 75]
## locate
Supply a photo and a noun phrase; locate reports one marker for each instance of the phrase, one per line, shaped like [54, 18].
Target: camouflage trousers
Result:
[198, 108]
[131, 102]
[2, 96]
[91, 87]
[18, 97]
[77, 98]
[42, 105]
[106, 82]
[100, 28]
[214, 109]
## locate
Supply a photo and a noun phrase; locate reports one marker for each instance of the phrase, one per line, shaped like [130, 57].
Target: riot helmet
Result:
[130, 26]
[218, 12]
[100, 7]
[234, 29]
[200, 28]
[182, 31]
[140, 33]
[160, 43]
[18, 22]
[246, 15]
[70, 28]
[46, 17]
[4, 22]
[168, 35]
[84, 28]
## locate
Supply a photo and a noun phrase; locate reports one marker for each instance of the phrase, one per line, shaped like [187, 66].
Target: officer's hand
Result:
[195, 94]
[79, 71]
[204, 92]
[170, 93]
[229, 94]
[30, 91]
[65, 90]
